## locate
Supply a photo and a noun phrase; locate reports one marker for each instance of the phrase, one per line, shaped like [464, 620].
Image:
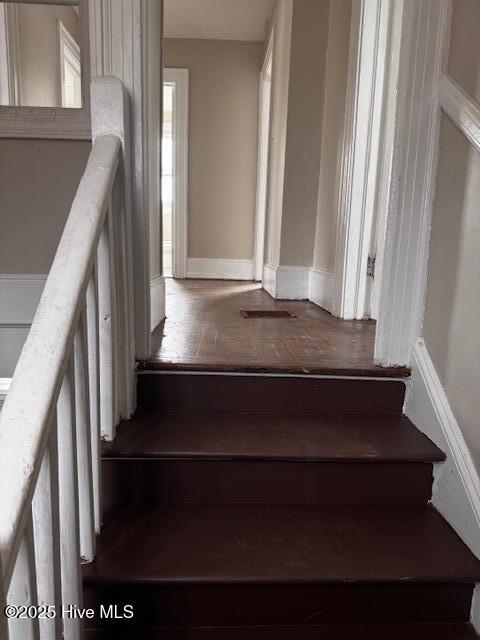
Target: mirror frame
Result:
[54, 122]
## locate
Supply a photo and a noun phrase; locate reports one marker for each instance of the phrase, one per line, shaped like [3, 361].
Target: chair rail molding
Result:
[118, 47]
[411, 186]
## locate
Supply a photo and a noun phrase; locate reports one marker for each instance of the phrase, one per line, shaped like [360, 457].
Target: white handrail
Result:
[65, 388]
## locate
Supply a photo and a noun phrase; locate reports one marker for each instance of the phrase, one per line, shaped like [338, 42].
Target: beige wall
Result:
[332, 134]
[452, 311]
[464, 55]
[38, 180]
[304, 130]
[39, 53]
[223, 132]
[154, 66]
[300, 29]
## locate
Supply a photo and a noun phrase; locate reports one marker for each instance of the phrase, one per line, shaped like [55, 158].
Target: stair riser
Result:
[267, 393]
[183, 606]
[271, 482]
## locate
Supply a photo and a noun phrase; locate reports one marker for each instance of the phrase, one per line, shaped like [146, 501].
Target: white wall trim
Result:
[423, 41]
[461, 109]
[361, 154]
[19, 296]
[286, 282]
[157, 301]
[180, 77]
[220, 269]
[118, 47]
[264, 117]
[456, 488]
[321, 288]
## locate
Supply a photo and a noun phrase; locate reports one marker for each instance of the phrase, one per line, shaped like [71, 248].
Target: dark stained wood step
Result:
[294, 544]
[325, 632]
[216, 456]
[269, 393]
[202, 480]
[271, 436]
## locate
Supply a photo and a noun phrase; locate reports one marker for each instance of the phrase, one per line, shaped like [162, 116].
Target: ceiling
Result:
[217, 19]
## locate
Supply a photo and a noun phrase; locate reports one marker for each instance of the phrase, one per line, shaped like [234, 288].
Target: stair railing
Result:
[73, 382]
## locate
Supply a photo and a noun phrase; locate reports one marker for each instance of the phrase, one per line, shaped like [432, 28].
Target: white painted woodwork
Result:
[180, 78]
[422, 45]
[157, 295]
[111, 115]
[286, 282]
[46, 531]
[94, 392]
[456, 487]
[361, 155]
[220, 269]
[118, 47]
[50, 467]
[262, 162]
[83, 439]
[321, 288]
[461, 109]
[23, 588]
[71, 579]
[106, 338]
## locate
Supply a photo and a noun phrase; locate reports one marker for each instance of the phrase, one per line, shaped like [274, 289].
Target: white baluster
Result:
[47, 540]
[68, 504]
[23, 589]
[94, 390]
[114, 266]
[123, 358]
[106, 336]
[84, 451]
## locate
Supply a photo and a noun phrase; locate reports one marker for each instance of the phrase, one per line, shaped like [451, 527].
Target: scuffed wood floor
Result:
[204, 330]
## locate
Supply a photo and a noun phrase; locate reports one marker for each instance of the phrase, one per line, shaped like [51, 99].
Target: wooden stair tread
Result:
[280, 544]
[297, 436]
[325, 632]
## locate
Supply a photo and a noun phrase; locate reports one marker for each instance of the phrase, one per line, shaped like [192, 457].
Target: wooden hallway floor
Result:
[204, 330]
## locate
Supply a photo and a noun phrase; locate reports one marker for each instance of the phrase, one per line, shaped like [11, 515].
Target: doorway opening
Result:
[174, 172]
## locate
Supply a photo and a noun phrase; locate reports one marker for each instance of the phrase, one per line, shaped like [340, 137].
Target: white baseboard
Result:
[219, 269]
[286, 282]
[321, 288]
[19, 296]
[456, 488]
[157, 301]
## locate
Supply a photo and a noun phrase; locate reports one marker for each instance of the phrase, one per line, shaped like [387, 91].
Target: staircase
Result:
[275, 507]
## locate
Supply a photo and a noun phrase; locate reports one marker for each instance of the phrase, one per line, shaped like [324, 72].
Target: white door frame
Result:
[389, 164]
[420, 30]
[180, 78]
[262, 167]
[361, 157]
[9, 55]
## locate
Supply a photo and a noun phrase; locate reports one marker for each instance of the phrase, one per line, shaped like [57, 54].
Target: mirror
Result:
[40, 62]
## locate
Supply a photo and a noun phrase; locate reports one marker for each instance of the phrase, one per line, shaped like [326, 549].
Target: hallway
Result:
[204, 329]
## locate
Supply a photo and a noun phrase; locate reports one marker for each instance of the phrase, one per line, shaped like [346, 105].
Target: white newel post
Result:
[118, 48]
[110, 116]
